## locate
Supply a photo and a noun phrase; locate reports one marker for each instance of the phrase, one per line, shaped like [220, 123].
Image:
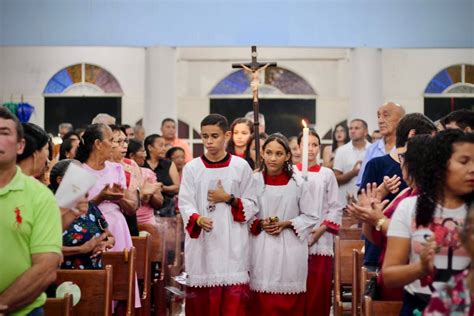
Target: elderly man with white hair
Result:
[104, 118]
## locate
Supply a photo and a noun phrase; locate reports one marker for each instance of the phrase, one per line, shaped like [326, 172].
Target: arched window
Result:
[285, 99]
[83, 79]
[450, 89]
[77, 93]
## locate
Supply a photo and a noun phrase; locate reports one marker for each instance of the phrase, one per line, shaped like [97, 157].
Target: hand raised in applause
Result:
[92, 243]
[113, 192]
[219, 195]
[392, 184]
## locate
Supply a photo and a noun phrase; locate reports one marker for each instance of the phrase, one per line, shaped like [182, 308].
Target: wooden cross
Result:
[255, 68]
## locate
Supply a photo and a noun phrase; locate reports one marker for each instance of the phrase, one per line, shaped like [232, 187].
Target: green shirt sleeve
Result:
[46, 235]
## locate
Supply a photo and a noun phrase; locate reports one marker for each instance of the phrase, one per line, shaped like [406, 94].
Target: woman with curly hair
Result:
[424, 248]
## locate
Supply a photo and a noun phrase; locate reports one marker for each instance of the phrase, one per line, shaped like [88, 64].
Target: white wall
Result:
[406, 72]
[26, 71]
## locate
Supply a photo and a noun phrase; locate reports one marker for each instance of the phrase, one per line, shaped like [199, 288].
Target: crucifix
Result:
[255, 68]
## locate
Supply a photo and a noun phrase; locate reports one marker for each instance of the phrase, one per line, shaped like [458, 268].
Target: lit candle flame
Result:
[304, 123]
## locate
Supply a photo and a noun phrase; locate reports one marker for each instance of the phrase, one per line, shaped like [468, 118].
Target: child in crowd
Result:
[240, 131]
[287, 212]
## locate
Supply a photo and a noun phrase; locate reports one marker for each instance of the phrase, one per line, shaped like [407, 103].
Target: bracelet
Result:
[380, 223]
[198, 221]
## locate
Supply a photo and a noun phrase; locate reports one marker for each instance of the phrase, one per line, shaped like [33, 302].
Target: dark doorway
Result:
[281, 115]
[79, 111]
[436, 108]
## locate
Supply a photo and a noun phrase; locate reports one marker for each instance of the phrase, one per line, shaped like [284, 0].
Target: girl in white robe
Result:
[279, 251]
[321, 241]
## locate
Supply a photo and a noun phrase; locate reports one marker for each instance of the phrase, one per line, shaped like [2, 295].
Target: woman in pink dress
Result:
[109, 193]
[150, 189]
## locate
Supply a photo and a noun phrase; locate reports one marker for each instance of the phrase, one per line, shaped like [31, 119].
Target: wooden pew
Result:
[58, 306]
[96, 290]
[350, 233]
[143, 246]
[365, 277]
[157, 257]
[357, 262]
[124, 274]
[343, 268]
[349, 221]
[385, 308]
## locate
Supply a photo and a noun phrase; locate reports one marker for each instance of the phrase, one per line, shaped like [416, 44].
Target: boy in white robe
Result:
[216, 199]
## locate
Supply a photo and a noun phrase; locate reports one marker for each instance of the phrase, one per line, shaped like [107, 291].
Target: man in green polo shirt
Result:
[30, 229]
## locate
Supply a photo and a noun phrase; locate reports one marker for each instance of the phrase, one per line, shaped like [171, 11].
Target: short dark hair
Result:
[311, 132]
[364, 123]
[416, 121]
[168, 119]
[216, 119]
[133, 147]
[150, 140]
[7, 115]
[66, 147]
[463, 118]
[171, 151]
[71, 133]
[124, 128]
[35, 139]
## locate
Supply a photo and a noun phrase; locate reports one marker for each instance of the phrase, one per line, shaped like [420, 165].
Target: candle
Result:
[305, 142]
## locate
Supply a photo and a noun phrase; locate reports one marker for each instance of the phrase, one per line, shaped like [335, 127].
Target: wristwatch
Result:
[231, 200]
[380, 223]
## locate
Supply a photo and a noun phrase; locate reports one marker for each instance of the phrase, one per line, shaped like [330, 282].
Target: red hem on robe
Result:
[319, 285]
[238, 211]
[277, 304]
[314, 168]
[256, 228]
[193, 228]
[332, 227]
[281, 179]
[220, 164]
[230, 300]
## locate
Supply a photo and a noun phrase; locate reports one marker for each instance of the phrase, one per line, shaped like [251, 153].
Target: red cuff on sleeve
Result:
[332, 227]
[193, 228]
[256, 228]
[238, 211]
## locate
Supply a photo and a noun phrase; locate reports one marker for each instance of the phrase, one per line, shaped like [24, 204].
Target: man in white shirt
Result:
[348, 159]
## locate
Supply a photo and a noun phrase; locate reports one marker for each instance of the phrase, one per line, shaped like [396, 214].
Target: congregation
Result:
[257, 241]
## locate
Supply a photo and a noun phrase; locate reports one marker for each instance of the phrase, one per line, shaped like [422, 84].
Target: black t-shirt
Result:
[162, 172]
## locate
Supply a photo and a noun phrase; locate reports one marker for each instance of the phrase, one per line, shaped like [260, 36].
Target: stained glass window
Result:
[454, 79]
[275, 80]
[80, 74]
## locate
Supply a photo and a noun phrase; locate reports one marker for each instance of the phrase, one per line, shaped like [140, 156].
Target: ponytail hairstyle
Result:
[283, 141]
[149, 141]
[240, 120]
[417, 154]
[433, 180]
[35, 139]
[86, 145]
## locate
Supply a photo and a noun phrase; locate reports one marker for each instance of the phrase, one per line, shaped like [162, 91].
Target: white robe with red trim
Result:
[279, 263]
[331, 215]
[219, 257]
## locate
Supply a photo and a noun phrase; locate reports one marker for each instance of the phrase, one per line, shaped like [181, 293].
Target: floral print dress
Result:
[454, 298]
[78, 233]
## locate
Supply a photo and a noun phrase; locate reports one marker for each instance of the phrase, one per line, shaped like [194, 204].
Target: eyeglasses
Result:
[121, 141]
